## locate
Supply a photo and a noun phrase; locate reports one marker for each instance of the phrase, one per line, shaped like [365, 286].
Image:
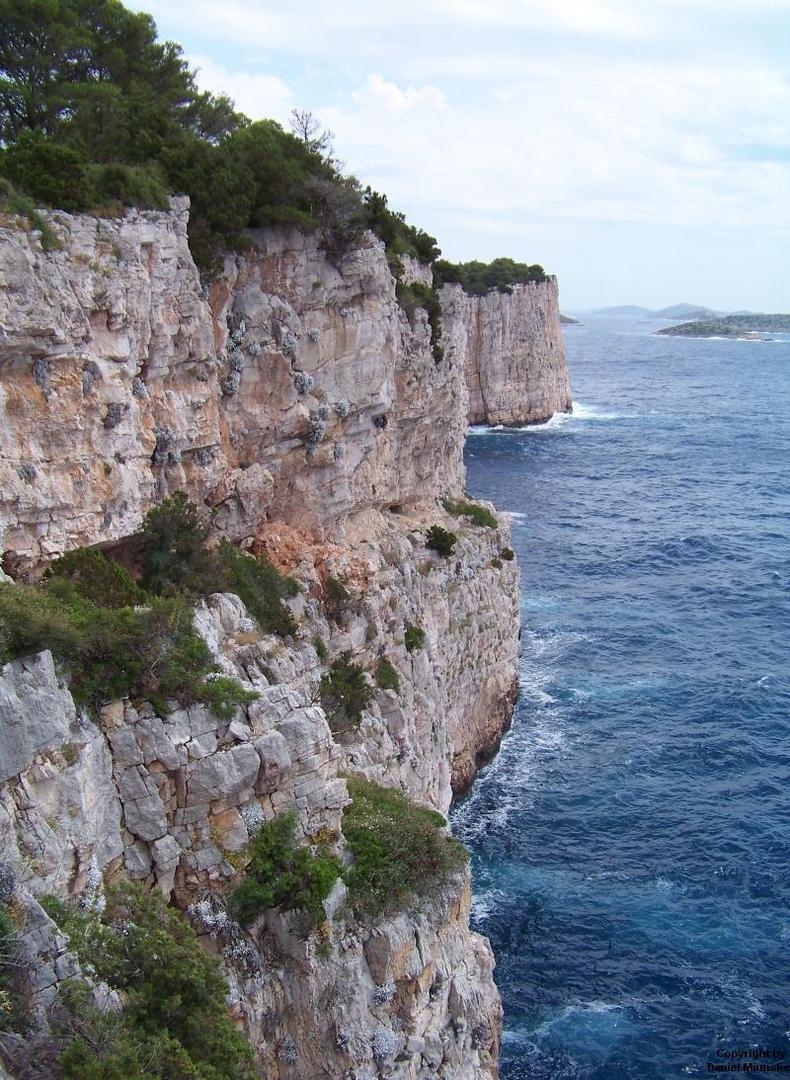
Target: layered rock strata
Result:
[511, 349]
[295, 399]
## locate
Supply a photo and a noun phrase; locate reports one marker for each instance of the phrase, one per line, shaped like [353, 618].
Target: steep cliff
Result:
[297, 401]
[293, 389]
[511, 350]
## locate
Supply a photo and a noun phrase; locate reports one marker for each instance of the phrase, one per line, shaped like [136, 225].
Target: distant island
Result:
[623, 309]
[753, 325]
[674, 311]
[568, 320]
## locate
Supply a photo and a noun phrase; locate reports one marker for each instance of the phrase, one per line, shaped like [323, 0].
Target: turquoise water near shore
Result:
[631, 842]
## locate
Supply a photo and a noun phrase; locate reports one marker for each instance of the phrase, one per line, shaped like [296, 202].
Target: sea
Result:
[630, 843]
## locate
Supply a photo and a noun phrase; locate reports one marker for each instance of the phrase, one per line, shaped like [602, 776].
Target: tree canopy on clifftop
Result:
[97, 114]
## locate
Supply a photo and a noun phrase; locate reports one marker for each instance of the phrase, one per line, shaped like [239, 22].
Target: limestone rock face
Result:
[167, 800]
[294, 389]
[511, 349]
[296, 400]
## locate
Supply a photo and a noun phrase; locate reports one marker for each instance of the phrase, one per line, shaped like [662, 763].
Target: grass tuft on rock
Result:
[401, 850]
[476, 513]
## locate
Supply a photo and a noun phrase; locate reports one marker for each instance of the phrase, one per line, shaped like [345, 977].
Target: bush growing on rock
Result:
[414, 637]
[173, 1022]
[303, 382]
[176, 558]
[262, 588]
[400, 849]
[337, 598]
[174, 553]
[440, 540]
[151, 652]
[284, 874]
[98, 579]
[418, 294]
[387, 676]
[345, 693]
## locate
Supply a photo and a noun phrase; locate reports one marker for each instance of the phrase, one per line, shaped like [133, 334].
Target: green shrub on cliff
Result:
[414, 637]
[345, 693]
[22, 206]
[283, 874]
[400, 849]
[418, 294]
[440, 540]
[337, 598]
[387, 677]
[174, 554]
[176, 559]
[97, 578]
[262, 588]
[116, 639]
[151, 652]
[174, 1020]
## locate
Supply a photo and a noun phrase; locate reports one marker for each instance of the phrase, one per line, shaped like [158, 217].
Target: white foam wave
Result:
[522, 759]
[580, 412]
[582, 1008]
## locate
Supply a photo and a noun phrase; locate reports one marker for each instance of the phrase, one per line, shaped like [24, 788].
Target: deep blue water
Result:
[631, 842]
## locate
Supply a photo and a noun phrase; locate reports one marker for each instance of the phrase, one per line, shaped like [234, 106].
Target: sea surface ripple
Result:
[631, 842]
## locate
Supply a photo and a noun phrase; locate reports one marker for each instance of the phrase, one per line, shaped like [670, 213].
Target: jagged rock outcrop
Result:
[295, 398]
[511, 349]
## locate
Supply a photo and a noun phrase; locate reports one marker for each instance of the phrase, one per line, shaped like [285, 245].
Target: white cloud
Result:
[258, 95]
[513, 118]
[650, 143]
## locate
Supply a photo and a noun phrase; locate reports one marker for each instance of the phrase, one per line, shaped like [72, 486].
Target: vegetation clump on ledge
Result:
[283, 874]
[337, 598]
[173, 1021]
[418, 294]
[400, 849]
[119, 639]
[476, 513]
[387, 677]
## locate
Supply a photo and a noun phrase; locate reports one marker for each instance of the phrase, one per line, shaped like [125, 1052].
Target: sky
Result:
[639, 149]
